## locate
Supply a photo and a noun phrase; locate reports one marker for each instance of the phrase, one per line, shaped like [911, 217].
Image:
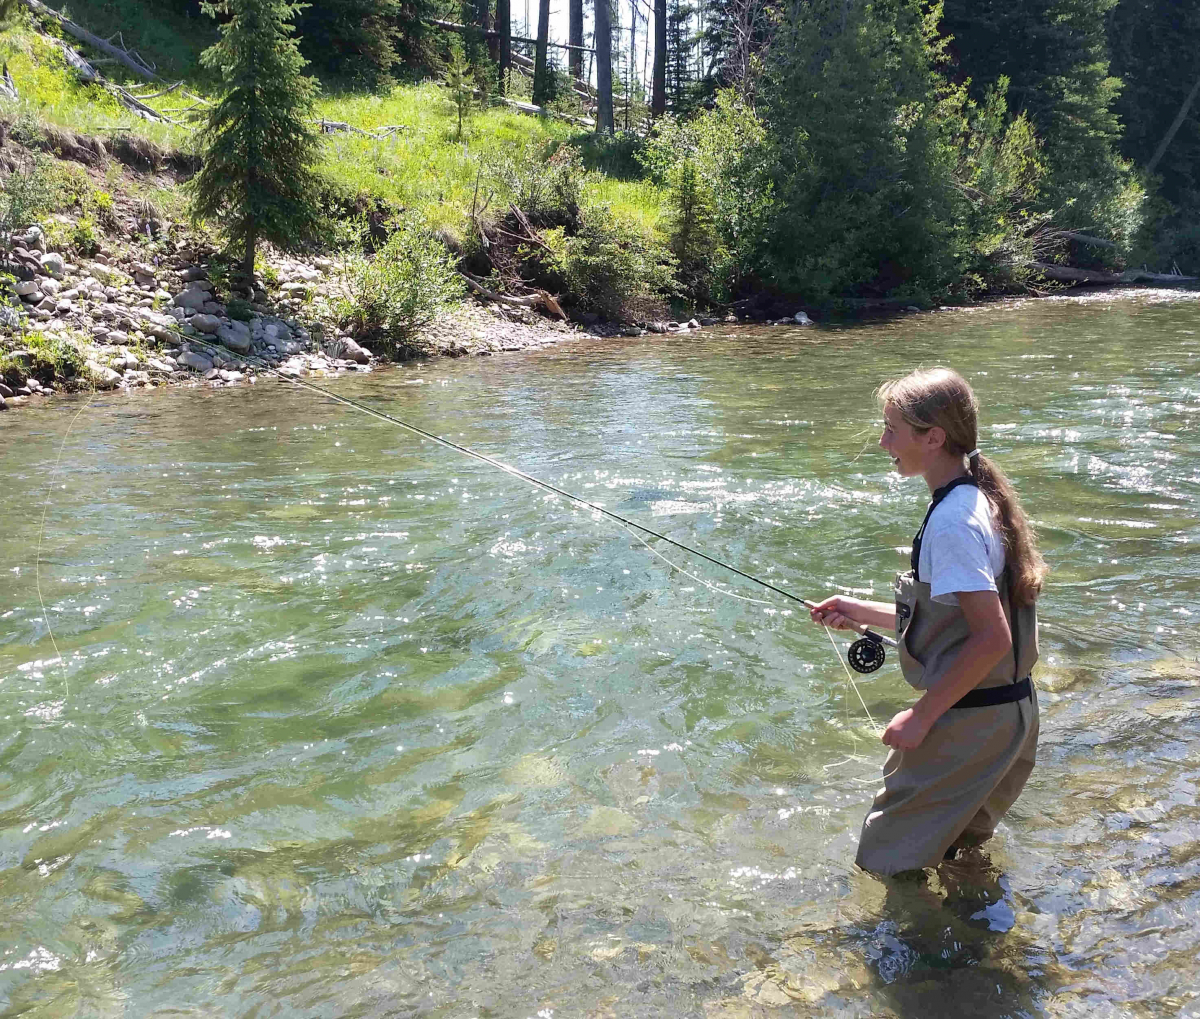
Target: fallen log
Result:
[534, 301]
[89, 74]
[123, 57]
[1069, 274]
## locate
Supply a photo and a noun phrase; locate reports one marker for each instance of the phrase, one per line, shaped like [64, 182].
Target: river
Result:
[350, 725]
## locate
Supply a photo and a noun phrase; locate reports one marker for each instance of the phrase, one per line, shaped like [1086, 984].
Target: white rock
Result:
[206, 323]
[49, 286]
[802, 319]
[105, 377]
[27, 288]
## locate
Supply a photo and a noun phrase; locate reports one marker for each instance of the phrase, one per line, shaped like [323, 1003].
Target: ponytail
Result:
[1026, 568]
[943, 398]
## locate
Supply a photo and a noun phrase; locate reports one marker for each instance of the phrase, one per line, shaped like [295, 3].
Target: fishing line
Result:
[865, 654]
[37, 565]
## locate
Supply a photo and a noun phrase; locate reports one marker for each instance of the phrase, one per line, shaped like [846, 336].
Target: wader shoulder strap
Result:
[938, 496]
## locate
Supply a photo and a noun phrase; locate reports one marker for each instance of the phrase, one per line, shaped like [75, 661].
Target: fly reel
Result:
[866, 654]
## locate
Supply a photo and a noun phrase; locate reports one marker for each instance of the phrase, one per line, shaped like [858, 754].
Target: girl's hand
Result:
[837, 612]
[906, 731]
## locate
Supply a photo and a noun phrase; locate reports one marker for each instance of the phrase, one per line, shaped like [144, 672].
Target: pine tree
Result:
[351, 39]
[1055, 55]
[258, 178]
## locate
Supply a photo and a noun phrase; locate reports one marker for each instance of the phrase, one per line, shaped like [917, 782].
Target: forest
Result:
[822, 153]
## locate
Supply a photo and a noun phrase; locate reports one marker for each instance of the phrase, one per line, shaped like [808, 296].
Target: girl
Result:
[967, 626]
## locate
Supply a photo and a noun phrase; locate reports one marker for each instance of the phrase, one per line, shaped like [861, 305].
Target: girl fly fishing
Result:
[966, 624]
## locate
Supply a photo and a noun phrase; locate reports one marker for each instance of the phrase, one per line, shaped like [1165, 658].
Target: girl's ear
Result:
[935, 438]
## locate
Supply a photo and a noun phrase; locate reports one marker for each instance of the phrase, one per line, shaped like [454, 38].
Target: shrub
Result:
[240, 309]
[27, 193]
[612, 266]
[105, 210]
[716, 171]
[83, 236]
[548, 190]
[390, 296]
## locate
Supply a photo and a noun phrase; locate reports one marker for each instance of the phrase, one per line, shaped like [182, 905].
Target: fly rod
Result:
[865, 655]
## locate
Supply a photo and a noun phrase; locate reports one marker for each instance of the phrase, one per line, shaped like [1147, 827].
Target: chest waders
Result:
[952, 790]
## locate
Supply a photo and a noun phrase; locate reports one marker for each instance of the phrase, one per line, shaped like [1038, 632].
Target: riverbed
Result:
[346, 724]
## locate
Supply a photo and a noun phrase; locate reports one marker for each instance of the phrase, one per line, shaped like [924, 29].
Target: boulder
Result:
[197, 362]
[50, 286]
[29, 289]
[801, 319]
[104, 376]
[193, 273]
[206, 323]
[3, 403]
[693, 323]
[136, 377]
[235, 335]
[4, 390]
[34, 239]
[353, 352]
[192, 298]
[53, 264]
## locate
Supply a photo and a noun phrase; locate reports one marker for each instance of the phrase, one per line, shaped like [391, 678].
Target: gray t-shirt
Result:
[962, 550]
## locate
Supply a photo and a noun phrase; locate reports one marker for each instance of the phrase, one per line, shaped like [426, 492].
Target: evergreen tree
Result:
[1153, 44]
[679, 69]
[258, 178]
[1055, 55]
[887, 181]
[351, 39]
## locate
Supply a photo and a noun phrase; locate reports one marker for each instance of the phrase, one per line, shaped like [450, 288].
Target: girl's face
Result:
[909, 449]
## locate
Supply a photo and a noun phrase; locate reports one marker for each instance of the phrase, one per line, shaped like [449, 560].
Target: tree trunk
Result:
[484, 20]
[603, 43]
[658, 100]
[575, 37]
[1176, 124]
[247, 269]
[504, 31]
[542, 90]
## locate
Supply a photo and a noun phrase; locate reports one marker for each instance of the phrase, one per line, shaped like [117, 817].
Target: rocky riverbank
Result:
[122, 319]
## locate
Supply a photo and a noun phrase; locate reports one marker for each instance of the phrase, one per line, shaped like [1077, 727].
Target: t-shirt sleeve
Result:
[959, 559]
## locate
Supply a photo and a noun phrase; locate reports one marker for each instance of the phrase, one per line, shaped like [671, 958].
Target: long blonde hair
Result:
[940, 397]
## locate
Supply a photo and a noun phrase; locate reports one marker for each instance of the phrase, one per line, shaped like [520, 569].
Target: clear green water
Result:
[352, 726]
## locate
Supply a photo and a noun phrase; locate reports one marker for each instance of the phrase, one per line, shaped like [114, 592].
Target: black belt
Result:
[989, 696]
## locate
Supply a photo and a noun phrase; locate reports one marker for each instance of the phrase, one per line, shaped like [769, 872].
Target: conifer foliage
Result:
[258, 181]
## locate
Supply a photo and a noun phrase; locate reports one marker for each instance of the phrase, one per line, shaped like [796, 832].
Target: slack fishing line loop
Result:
[866, 654]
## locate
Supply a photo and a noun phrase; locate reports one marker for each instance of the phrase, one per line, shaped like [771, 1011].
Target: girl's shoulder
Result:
[965, 506]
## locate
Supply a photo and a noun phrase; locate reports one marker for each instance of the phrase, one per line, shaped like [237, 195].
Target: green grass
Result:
[427, 167]
[166, 37]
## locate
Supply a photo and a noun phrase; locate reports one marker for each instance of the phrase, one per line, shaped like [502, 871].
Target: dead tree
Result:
[542, 87]
[658, 94]
[575, 37]
[603, 42]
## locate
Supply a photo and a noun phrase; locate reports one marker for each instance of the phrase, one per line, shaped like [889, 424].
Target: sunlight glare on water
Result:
[347, 724]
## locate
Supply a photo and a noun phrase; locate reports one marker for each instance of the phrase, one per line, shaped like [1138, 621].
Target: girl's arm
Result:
[839, 612]
[989, 642]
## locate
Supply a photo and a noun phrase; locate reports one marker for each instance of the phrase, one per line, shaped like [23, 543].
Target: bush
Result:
[549, 190]
[716, 172]
[27, 193]
[612, 266]
[390, 296]
[240, 309]
[83, 236]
